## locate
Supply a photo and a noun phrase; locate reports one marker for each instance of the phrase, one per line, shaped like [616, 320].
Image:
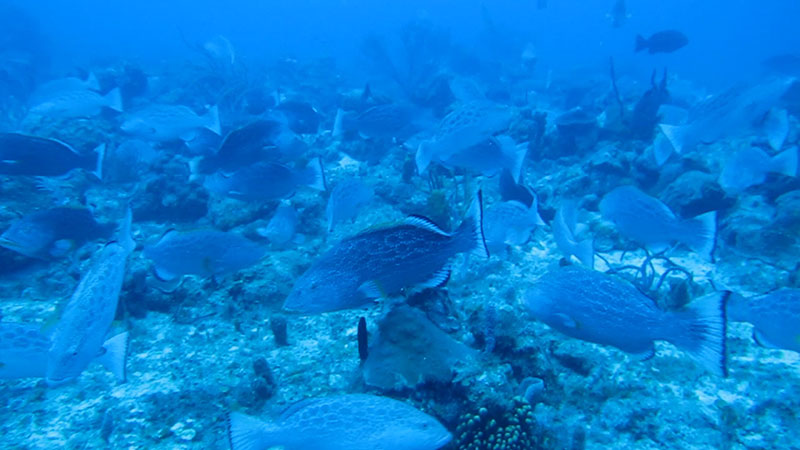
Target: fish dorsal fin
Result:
[296, 407]
[424, 223]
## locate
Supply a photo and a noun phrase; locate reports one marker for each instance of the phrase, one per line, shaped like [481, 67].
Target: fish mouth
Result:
[444, 440]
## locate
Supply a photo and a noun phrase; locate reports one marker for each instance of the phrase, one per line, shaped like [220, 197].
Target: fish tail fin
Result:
[115, 355]
[194, 168]
[518, 159]
[641, 43]
[124, 236]
[423, 157]
[704, 338]
[101, 155]
[91, 82]
[676, 135]
[248, 433]
[339, 123]
[776, 127]
[316, 175]
[470, 232]
[584, 251]
[701, 233]
[211, 120]
[113, 100]
[785, 162]
[662, 149]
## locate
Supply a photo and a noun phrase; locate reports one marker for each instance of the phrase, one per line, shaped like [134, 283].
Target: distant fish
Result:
[54, 87]
[385, 121]
[220, 49]
[383, 261]
[725, 115]
[347, 198]
[510, 223]
[80, 334]
[464, 127]
[490, 157]
[566, 231]
[595, 307]
[785, 64]
[775, 317]
[341, 422]
[619, 14]
[266, 181]
[77, 103]
[662, 42]
[302, 117]
[282, 226]
[24, 349]
[650, 222]
[52, 232]
[206, 253]
[750, 166]
[170, 122]
[36, 156]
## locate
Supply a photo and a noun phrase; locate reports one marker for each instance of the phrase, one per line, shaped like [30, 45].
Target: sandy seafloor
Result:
[187, 367]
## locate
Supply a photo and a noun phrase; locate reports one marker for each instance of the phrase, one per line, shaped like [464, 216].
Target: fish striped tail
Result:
[470, 232]
[704, 336]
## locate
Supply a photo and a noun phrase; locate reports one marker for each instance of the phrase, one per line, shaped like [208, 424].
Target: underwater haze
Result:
[324, 225]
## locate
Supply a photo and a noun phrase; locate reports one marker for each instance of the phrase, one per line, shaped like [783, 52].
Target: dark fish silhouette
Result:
[662, 42]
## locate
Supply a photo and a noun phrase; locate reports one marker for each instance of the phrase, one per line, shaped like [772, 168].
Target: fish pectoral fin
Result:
[438, 279]
[567, 321]
[61, 247]
[762, 341]
[163, 274]
[371, 289]
[188, 136]
[114, 355]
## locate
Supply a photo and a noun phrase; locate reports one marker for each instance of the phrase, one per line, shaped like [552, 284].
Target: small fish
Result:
[282, 226]
[464, 127]
[566, 231]
[490, 157]
[750, 166]
[77, 103]
[595, 307]
[619, 14]
[170, 122]
[52, 232]
[341, 422]
[650, 222]
[243, 146]
[266, 181]
[383, 261]
[55, 87]
[347, 198]
[662, 42]
[510, 223]
[775, 317]
[784, 64]
[36, 156]
[206, 253]
[385, 121]
[80, 334]
[24, 349]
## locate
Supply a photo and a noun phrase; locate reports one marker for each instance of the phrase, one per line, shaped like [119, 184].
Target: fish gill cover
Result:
[267, 224]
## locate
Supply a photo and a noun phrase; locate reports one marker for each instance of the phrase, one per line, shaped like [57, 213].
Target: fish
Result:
[566, 231]
[80, 333]
[511, 189]
[301, 116]
[510, 223]
[490, 157]
[603, 309]
[383, 261]
[341, 422]
[52, 232]
[384, 121]
[77, 103]
[462, 128]
[666, 41]
[725, 115]
[54, 87]
[205, 253]
[21, 154]
[24, 349]
[251, 143]
[775, 317]
[266, 181]
[650, 222]
[281, 228]
[170, 123]
[346, 200]
[750, 166]
[619, 14]
[784, 64]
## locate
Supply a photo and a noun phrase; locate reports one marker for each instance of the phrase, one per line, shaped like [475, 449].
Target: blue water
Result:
[204, 119]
